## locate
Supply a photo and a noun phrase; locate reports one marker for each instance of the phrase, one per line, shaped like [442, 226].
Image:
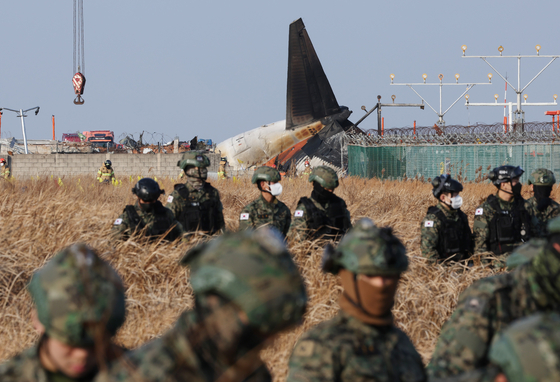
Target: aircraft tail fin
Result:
[309, 96]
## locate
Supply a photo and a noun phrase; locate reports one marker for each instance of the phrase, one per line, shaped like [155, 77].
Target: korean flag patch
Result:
[298, 213]
[429, 223]
[244, 216]
[118, 222]
[479, 211]
[170, 199]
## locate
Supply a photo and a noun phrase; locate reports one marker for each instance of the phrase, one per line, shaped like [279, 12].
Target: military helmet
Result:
[445, 183]
[529, 349]
[107, 163]
[504, 174]
[254, 270]
[75, 291]
[266, 173]
[192, 158]
[325, 176]
[147, 189]
[542, 177]
[367, 249]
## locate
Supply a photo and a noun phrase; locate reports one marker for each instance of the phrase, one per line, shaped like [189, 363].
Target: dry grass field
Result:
[40, 216]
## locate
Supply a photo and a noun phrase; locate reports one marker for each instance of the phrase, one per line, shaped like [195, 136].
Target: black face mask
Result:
[542, 194]
[148, 207]
[320, 194]
[517, 189]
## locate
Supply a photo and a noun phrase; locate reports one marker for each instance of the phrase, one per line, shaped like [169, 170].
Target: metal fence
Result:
[465, 153]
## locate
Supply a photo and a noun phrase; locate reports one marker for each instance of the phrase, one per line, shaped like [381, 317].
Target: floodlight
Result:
[440, 77]
[393, 98]
[467, 97]
[525, 96]
[424, 76]
[490, 77]
[464, 48]
[537, 47]
[555, 96]
[500, 49]
[496, 97]
[392, 77]
[457, 77]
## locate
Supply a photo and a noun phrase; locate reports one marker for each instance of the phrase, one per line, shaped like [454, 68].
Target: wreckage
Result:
[315, 122]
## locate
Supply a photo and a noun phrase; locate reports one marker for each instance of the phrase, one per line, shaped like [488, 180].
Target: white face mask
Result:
[275, 189]
[456, 202]
[1, 164]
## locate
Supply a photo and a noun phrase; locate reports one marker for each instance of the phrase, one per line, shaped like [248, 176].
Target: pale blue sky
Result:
[218, 68]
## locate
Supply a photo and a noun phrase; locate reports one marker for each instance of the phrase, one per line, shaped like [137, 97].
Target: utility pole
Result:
[378, 107]
[519, 114]
[20, 114]
[440, 113]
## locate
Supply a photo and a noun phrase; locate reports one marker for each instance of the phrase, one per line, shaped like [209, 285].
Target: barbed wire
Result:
[148, 138]
[529, 132]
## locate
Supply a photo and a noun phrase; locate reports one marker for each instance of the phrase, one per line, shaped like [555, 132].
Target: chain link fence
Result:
[467, 153]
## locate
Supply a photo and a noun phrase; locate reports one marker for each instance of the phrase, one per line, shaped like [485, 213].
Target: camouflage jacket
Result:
[525, 253]
[26, 367]
[485, 225]
[346, 349]
[260, 212]
[484, 309]
[105, 173]
[539, 219]
[155, 223]
[197, 209]
[436, 235]
[172, 358]
[322, 223]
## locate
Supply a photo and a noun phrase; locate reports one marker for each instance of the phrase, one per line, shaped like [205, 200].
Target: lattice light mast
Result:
[441, 84]
[519, 114]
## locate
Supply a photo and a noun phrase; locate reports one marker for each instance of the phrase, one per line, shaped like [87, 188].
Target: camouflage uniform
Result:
[529, 350]
[155, 223]
[483, 241]
[542, 180]
[539, 219]
[250, 271]
[489, 306]
[347, 348]
[70, 309]
[105, 174]
[433, 232]
[259, 213]
[196, 204]
[314, 219]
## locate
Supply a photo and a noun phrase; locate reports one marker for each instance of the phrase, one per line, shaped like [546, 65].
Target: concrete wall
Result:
[88, 164]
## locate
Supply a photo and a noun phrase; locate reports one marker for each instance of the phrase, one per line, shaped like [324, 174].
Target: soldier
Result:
[246, 290]
[502, 223]
[528, 351]
[324, 215]
[540, 206]
[267, 209]
[147, 215]
[361, 343]
[105, 174]
[445, 230]
[79, 304]
[491, 304]
[4, 169]
[196, 204]
[222, 174]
